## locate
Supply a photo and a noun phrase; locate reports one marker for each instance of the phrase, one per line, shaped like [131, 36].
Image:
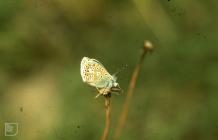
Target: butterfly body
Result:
[95, 74]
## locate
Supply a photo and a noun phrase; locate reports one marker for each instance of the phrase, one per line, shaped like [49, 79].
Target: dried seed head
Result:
[148, 46]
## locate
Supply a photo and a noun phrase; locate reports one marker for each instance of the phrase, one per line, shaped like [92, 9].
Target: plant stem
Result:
[147, 48]
[107, 117]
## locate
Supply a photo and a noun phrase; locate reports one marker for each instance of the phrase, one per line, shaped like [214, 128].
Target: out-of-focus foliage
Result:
[43, 41]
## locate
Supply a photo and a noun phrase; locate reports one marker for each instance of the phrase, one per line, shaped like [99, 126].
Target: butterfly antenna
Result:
[121, 69]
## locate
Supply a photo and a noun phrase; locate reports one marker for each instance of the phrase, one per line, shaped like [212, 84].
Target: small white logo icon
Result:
[11, 129]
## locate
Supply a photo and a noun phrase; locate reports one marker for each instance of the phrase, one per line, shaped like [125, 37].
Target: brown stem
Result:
[147, 48]
[107, 117]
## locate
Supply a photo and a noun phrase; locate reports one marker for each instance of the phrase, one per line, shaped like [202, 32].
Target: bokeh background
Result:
[43, 41]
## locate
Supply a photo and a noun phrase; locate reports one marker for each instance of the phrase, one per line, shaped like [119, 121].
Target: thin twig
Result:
[147, 48]
[107, 117]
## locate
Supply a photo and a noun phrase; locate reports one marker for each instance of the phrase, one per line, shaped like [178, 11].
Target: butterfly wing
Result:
[94, 73]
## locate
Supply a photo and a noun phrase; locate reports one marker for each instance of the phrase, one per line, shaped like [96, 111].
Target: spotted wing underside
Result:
[94, 73]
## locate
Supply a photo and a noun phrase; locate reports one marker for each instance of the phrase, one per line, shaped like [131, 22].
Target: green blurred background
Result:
[43, 41]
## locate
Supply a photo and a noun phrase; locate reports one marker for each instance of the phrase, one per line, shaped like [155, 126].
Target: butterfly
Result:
[95, 74]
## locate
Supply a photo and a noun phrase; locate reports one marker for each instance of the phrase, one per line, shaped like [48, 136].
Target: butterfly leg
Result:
[97, 95]
[106, 90]
[99, 92]
[102, 91]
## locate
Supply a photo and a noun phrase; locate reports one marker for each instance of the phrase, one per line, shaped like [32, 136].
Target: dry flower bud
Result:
[148, 46]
